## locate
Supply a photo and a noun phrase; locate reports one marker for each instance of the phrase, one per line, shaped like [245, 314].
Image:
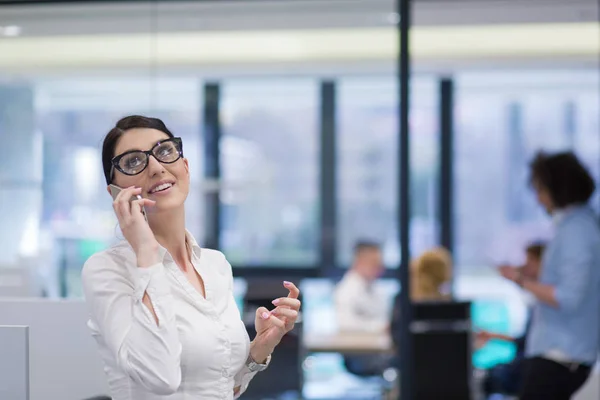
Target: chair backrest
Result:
[64, 361]
[14, 362]
[442, 347]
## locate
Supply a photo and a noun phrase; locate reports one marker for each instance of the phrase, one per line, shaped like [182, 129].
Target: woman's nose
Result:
[154, 166]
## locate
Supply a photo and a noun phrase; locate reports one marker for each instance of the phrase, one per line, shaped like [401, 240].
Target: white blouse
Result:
[199, 348]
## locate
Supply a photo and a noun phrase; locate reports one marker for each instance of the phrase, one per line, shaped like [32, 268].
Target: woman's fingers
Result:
[121, 203]
[137, 207]
[285, 312]
[268, 317]
[294, 291]
[277, 322]
[287, 302]
[126, 209]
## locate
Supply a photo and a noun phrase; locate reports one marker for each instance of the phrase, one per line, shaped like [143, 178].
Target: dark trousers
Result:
[544, 379]
[368, 365]
[504, 378]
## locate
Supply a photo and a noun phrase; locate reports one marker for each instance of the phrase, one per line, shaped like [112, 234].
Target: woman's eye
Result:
[166, 150]
[133, 162]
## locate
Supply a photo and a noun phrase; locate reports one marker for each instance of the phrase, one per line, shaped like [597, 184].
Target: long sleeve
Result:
[243, 377]
[575, 266]
[148, 353]
[242, 380]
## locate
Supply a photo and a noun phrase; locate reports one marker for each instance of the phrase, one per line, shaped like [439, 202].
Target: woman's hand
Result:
[272, 326]
[482, 338]
[134, 226]
[510, 273]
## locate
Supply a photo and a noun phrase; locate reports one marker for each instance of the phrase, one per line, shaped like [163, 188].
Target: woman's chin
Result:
[163, 205]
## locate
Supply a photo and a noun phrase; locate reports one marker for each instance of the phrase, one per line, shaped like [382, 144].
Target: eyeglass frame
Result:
[115, 160]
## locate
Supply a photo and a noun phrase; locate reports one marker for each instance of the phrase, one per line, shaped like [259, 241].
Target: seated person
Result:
[359, 306]
[430, 279]
[506, 378]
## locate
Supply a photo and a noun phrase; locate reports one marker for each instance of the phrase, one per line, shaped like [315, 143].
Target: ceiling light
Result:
[10, 30]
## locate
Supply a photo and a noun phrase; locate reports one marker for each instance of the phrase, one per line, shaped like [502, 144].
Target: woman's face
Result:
[174, 177]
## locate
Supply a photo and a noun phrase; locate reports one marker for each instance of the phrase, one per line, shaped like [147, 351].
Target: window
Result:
[269, 167]
[503, 119]
[69, 213]
[367, 167]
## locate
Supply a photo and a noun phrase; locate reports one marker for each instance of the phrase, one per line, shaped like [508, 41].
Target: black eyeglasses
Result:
[135, 161]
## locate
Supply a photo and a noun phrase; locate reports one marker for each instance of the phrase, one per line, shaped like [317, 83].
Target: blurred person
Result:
[563, 342]
[430, 280]
[431, 276]
[360, 307]
[507, 378]
[162, 309]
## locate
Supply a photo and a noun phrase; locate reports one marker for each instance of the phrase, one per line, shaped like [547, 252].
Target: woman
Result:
[430, 278]
[161, 308]
[563, 341]
[431, 275]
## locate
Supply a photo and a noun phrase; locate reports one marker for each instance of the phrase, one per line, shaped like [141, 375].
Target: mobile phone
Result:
[115, 190]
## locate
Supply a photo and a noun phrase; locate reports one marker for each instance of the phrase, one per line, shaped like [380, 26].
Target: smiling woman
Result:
[162, 309]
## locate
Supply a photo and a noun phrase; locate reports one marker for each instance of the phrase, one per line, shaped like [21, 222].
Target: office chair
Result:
[442, 351]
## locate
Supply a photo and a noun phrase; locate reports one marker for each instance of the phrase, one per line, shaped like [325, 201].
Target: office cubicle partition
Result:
[14, 362]
[63, 359]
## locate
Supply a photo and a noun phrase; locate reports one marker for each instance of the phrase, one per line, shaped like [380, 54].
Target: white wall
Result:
[64, 363]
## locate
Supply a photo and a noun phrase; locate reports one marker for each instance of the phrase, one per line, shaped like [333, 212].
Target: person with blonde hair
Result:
[430, 279]
[431, 275]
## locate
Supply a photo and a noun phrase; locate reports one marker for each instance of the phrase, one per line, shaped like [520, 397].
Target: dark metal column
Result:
[327, 181]
[404, 336]
[446, 178]
[212, 163]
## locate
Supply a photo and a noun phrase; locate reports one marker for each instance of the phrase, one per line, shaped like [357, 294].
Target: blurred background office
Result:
[288, 112]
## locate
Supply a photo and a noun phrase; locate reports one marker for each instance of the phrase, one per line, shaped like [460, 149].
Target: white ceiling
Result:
[177, 16]
[116, 36]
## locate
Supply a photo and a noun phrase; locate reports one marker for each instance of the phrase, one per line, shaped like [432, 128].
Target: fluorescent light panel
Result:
[529, 41]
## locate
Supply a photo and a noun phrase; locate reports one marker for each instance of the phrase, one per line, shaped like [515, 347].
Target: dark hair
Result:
[362, 245]
[536, 249]
[565, 178]
[123, 125]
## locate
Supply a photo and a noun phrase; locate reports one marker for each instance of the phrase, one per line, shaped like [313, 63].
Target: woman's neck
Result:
[169, 231]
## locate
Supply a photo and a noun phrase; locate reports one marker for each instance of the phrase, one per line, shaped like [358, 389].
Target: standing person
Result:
[162, 309]
[507, 378]
[562, 345]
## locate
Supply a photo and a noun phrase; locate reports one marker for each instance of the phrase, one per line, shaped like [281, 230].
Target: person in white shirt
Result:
[360, 308]
[161, 308]
[358, 305]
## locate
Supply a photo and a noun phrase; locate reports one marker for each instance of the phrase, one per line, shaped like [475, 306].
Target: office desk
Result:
[347, 343]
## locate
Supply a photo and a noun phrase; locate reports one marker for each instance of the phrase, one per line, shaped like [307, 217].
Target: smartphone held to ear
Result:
[115, 190]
